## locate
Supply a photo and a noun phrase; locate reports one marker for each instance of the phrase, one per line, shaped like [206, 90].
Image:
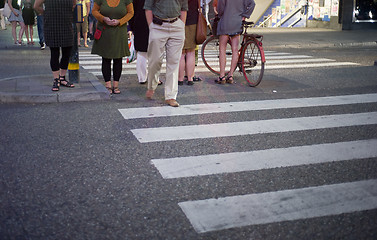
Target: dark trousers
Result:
[55, 55]
[106, 69]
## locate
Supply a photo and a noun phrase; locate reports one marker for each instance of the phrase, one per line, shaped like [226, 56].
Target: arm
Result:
[99, 16]
[128, 16]
[87, 7]
[11, 7]
[183, 16]
[249, 6]
[38, 6]
[149, 16]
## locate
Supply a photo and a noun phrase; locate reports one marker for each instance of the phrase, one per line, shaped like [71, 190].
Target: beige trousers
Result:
[169, 38]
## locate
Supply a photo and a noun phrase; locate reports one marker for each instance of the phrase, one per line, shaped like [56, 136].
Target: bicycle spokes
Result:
[252, 64]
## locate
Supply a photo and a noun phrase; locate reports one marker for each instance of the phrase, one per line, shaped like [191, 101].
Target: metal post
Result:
[74, 66]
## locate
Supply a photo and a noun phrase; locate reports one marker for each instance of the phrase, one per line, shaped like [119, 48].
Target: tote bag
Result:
[7, 11]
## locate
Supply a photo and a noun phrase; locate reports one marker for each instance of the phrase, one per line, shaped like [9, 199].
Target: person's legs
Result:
[27, 34]
[85, 31]
[63, 66]
[14, 32]
[106, 72]
[40, 27]
[2, 20]
[54, 65]
[117, 73]
[31, 31]
[141, 66]
[235, 40]
[157, 40]
[190, 65]
[174, 45]
[223, 40]
[22, 30]
[182, 68]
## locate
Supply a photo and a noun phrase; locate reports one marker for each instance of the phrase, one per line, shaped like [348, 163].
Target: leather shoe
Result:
[149, 94]
[172, 102]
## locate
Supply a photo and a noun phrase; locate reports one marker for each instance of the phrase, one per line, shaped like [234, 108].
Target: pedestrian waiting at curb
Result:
[166, 20]
[229, 29]
[29, 19]
[16, 18]
[187, 62]
[40, 24]
[111, 44]
[58, 34]
[82, 28]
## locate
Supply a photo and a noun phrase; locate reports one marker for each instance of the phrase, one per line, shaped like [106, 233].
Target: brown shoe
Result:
[172, 102]
[149, 94]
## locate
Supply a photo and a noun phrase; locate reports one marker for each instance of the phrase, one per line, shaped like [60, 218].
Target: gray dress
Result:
[231, 13]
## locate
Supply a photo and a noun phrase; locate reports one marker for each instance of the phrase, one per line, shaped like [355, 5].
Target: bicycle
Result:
[251, 58]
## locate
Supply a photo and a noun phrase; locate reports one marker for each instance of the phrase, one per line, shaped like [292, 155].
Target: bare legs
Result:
[14, 32]
[187, 64]
[234, 41]
[29, 29]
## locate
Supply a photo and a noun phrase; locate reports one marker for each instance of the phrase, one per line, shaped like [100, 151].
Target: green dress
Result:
[113, 43]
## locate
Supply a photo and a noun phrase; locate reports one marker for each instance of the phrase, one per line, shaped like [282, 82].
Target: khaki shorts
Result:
[83, 25]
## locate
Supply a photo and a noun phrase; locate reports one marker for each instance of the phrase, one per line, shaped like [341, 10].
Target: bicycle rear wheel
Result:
[210, 54]
[252, 65]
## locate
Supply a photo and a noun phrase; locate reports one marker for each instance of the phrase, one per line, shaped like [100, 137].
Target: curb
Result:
[99, 93]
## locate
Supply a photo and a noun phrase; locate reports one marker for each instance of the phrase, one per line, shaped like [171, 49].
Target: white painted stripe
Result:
[300, 60]
[166, 111]
[313, 65]
[145, 135]
[288, 205]
[264, 159]
[287, 57]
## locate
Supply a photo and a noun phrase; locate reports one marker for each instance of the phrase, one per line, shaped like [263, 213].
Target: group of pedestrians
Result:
[23, 15]
[159, 26]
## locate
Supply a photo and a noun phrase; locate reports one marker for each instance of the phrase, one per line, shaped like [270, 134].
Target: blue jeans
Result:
[40, 29]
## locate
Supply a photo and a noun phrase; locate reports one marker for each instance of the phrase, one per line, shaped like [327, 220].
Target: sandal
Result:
[65, 82]
[116, 90]
[229, 80]
[110, 89]
[221, 80]
[55, 86]
[196, 79]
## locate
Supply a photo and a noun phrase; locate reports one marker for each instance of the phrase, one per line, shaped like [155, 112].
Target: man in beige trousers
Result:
[166, 20]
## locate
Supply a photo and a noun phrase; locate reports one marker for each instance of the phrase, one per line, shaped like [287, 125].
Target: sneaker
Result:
[43, 46]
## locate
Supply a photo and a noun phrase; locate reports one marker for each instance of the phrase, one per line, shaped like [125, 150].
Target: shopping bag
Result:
[131, 46]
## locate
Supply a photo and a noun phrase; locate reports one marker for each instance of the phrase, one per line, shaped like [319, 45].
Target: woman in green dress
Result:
[112, 16]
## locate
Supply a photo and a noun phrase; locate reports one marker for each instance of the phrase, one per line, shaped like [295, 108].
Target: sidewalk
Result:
[37, 88]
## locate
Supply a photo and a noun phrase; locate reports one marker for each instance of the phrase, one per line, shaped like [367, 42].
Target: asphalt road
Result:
[80, 171]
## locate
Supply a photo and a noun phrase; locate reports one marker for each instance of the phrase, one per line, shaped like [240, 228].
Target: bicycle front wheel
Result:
[252, 65]
[210, 54]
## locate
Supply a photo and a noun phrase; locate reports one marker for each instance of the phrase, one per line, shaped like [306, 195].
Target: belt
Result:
[167, 20]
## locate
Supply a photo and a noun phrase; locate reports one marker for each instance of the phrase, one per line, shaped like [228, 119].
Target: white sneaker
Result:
[43, 46]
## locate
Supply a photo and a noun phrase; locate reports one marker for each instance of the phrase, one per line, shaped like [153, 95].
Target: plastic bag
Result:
[131, 46]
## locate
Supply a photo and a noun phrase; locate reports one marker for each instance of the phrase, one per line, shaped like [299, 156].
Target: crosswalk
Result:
[215, 214]
[274, 60]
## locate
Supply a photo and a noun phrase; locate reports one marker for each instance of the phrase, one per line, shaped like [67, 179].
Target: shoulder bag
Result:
[201, 27]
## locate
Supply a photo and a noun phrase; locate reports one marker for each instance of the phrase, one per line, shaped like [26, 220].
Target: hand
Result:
[111, 22]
